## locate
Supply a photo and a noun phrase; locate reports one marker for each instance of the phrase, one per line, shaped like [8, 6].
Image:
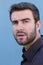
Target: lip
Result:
[20, 35]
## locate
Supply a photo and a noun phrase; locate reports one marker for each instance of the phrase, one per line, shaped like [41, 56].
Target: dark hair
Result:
[23, 6]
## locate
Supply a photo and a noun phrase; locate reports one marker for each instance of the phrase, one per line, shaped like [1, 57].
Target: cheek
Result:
[13, 29]
[30, 28]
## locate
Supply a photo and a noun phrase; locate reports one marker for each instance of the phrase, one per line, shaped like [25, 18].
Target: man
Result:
[26, 24]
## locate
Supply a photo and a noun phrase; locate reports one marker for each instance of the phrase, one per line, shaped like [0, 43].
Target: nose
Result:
[20, 26]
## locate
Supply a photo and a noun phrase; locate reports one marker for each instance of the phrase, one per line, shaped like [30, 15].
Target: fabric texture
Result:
[34, 55]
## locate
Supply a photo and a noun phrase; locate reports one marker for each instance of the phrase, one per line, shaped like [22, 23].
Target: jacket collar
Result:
[32, 50]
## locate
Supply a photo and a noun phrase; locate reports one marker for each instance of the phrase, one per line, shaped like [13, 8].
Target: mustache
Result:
[22, 32]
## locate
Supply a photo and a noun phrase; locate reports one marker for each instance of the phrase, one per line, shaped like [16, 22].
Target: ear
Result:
[38, 25]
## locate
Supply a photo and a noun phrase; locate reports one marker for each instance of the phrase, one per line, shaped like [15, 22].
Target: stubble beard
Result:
[29, 38]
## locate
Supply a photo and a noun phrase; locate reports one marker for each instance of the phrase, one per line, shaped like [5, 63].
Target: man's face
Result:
[23, 25]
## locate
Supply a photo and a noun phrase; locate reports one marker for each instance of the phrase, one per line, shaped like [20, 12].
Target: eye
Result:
[14, 22]
[26, 21]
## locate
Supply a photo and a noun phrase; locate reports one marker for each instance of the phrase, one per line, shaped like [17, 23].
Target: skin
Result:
[25, 30]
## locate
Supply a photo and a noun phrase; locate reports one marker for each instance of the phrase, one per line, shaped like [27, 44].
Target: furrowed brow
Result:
[21, 19]
[25, 19]
[15, 21]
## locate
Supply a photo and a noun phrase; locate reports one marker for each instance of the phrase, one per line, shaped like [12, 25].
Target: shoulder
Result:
[38, 58]
[39, 54]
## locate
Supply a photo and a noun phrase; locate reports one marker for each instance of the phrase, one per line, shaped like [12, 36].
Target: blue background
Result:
[10, 51]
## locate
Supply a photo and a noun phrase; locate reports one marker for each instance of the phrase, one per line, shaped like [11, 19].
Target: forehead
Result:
[21, 14]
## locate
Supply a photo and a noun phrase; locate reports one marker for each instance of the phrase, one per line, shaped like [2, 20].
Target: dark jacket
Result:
[34, 56]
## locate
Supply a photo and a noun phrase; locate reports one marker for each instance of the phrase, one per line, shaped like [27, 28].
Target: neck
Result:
[29, 45]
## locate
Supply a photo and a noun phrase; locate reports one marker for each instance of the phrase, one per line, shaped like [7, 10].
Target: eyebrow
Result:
[22, 19]
[25, 19]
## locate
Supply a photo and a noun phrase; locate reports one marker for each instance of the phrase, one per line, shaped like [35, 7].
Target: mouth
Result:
[20, 35]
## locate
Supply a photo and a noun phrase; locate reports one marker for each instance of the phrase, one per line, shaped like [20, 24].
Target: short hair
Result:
[24, 6]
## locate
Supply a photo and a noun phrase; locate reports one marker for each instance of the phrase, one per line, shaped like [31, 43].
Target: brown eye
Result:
[26, 21]
[14, 22]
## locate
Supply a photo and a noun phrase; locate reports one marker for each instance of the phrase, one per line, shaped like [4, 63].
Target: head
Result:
[25, 20]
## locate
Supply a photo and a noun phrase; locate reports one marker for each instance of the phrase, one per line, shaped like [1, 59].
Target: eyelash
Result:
[26, 21]
[16, 22]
